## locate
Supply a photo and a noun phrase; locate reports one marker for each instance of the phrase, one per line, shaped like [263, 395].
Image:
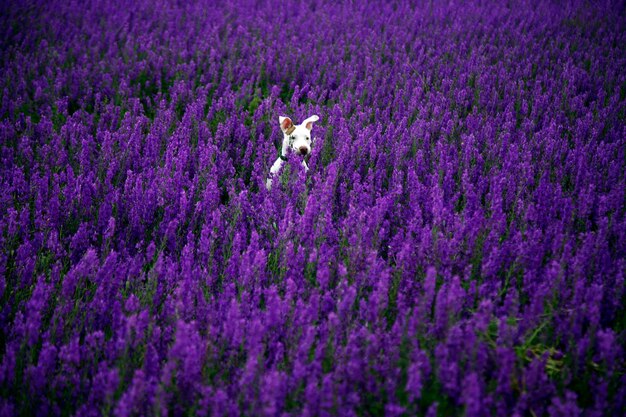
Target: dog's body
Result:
[296, 138]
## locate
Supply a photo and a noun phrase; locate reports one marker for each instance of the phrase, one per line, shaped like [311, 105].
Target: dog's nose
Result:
[303, 150]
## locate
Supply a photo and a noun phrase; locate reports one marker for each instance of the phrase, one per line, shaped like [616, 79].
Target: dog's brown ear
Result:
[308, 123]
[286, 125]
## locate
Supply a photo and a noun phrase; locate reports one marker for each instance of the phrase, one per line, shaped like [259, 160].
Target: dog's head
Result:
[298, 138]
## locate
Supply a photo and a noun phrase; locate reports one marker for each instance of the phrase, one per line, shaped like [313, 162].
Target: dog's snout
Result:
[303, 150]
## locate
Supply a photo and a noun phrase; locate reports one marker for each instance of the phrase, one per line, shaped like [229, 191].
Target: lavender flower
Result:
[457, 246]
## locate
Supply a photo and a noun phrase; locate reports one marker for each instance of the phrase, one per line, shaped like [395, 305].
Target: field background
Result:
[458, 247]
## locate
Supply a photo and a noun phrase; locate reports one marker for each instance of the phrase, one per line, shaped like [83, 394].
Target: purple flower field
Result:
[457, 247]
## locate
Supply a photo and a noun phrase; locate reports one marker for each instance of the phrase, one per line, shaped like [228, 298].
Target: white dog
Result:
[296, 138]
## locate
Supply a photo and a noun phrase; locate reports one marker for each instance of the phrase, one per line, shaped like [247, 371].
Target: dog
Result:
[296, 138]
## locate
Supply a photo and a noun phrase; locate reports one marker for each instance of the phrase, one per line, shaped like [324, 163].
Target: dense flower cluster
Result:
[458, 246]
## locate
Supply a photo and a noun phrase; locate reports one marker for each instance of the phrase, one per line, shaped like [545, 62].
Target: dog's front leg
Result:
[306, 167]
[273, 170]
